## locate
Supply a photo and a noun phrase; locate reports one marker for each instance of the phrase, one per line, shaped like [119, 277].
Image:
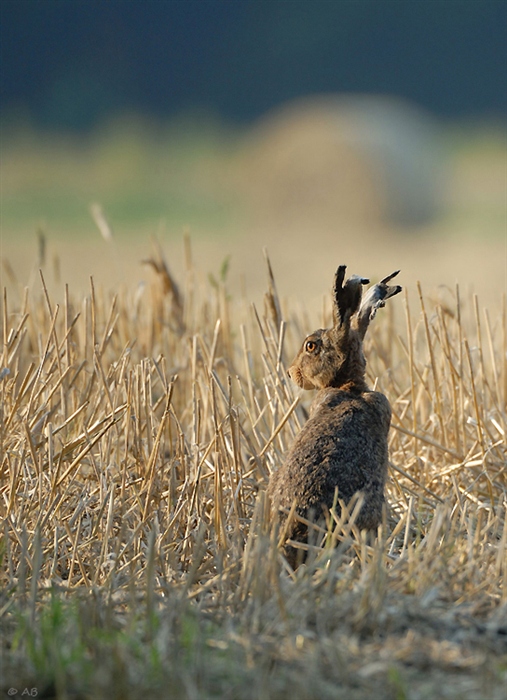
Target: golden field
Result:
[143, 406]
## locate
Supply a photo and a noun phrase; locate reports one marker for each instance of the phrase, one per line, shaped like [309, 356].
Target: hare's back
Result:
[370, 405]
[342, 445]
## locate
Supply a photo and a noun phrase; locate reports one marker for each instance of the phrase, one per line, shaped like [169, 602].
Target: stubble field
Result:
[138, 429]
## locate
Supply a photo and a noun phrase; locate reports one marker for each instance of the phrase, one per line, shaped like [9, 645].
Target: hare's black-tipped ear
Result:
[375, 299]
[347, 297]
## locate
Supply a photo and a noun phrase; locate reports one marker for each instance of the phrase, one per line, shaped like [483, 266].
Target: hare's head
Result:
[333, 357]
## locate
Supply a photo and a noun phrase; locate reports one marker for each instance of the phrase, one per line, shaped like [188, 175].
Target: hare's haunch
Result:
[343, 446]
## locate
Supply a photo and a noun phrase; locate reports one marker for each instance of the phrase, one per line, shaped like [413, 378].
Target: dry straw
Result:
[137, 434]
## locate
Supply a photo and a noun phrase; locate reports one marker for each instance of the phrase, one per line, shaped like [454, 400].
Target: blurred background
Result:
[369, 132]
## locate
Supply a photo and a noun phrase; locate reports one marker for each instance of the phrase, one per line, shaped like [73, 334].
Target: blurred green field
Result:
[139, 171]
[198, 176]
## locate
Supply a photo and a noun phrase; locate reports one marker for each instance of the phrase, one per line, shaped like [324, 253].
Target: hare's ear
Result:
[346, 297]
[375, 299]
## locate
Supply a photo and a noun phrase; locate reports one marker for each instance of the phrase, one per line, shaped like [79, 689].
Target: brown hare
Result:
[343, 446]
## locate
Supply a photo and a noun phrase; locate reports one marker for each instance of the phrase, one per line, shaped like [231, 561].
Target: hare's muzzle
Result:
[297, 377]
[295, 374]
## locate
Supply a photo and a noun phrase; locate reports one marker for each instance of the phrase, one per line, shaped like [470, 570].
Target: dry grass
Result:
[138, 430]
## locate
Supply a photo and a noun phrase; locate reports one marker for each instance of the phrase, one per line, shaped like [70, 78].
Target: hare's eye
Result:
[310, 346]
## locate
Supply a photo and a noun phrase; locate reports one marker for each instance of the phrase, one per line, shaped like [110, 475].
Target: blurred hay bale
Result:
[329, 159]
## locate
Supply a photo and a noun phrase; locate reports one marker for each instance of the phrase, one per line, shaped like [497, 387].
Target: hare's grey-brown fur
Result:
[343, 445]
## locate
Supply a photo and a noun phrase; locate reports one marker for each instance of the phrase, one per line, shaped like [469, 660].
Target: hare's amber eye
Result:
[310, 346]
